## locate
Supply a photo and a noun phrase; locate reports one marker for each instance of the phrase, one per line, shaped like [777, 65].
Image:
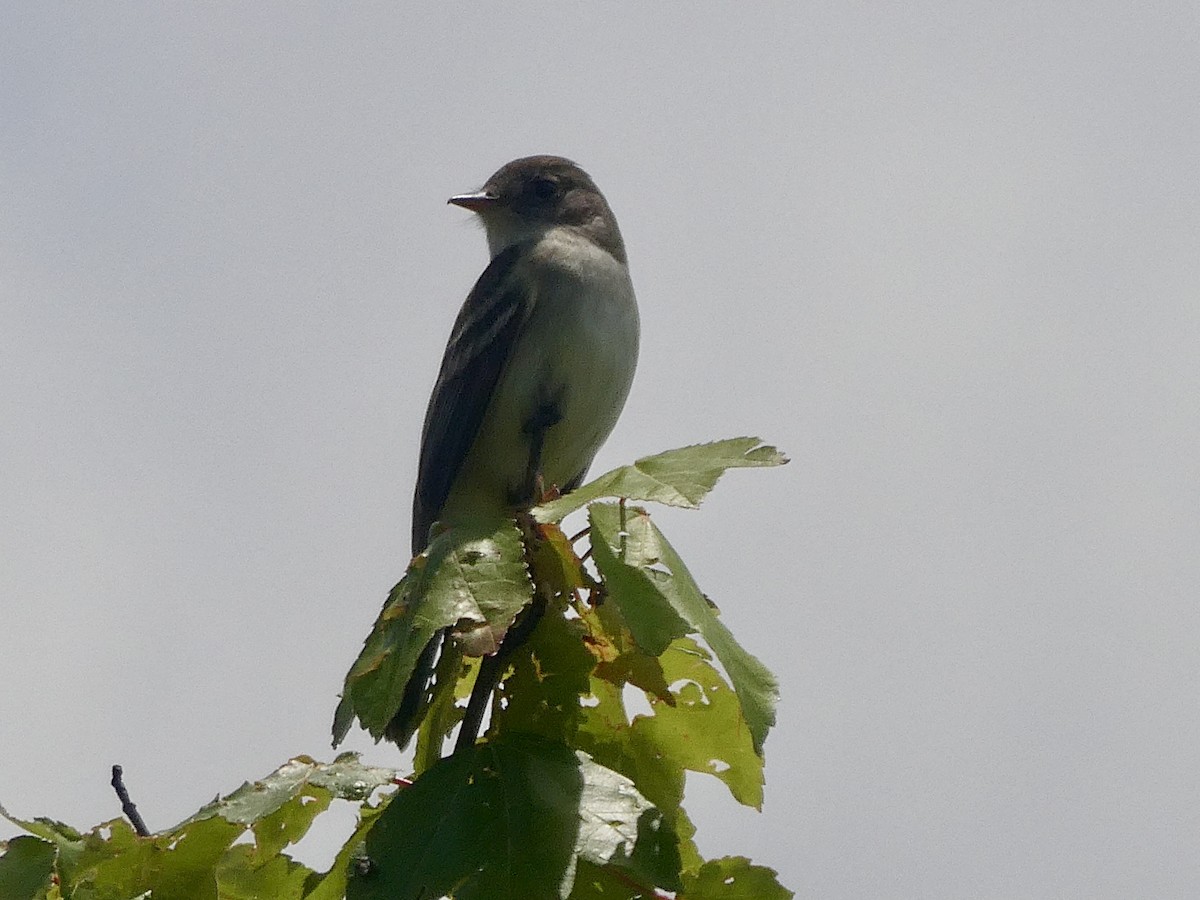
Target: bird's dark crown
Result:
[556, 191]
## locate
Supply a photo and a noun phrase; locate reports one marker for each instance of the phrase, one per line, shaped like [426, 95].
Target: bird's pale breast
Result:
[578, 352]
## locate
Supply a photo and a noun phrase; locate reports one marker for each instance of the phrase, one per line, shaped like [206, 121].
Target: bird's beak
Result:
[477, 202]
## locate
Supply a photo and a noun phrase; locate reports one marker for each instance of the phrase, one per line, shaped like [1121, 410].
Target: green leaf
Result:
[734, 878]
[661, 601]
[472, 577]
[541, 695]
[25, 867]
[332, 885]
[619, 827]
[47, 829]
[677, 478]
[703, 730]
[196, 859]
[507, 820]
[621, 660]
[452, 681]
[635, 579]
[556, 563]
[606, 736]
[187, 868]
[243, 875]
[300, 778]
[596, 883]
[288, 824]
[179, 865]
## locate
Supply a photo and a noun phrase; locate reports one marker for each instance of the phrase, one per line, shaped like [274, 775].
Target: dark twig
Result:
[490, 670]
[492, 667]
[127, 807]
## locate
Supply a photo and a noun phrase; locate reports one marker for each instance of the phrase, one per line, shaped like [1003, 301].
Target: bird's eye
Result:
[543, 188]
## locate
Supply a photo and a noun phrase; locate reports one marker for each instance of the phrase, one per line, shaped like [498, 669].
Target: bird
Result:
[537, 368]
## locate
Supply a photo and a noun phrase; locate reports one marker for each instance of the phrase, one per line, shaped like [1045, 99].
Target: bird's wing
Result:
[484, 335]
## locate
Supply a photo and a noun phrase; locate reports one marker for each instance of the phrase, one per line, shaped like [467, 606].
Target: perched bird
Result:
[538, 365]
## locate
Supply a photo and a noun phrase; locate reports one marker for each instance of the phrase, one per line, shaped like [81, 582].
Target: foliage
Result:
[566, 795]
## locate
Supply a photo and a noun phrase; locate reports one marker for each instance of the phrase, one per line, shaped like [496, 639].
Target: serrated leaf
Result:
[734, 878]
[472, 577]
[83, 863]
[48, 829]
[676, 478]
[504, 820]
[197, 859]
[661, 601]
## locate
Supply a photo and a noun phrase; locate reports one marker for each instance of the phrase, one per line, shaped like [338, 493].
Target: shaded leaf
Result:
[621, 828]
[605, 735]
[556, 562]
[541, 695]
[25, 867]
[676, 478]
[453, 679]
[504, 820]
[596, 883]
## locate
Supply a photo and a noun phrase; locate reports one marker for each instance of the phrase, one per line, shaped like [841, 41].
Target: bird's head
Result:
[529, 196]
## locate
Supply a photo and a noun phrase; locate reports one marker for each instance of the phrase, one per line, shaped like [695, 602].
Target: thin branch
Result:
[127, 807]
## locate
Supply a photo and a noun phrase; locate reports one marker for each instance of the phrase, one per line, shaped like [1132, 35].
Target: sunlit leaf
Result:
[676, 478]
[244, 875]
[473, 578]
[734, 878]
[253, 802]
[661, 601]
[703, 731]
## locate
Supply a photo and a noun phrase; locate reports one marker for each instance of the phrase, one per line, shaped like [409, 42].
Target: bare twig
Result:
[127, 807]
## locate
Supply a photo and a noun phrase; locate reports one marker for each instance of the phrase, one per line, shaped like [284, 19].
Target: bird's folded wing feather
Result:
[481, 343]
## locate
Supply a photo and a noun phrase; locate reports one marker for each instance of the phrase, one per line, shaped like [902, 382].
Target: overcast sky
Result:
[945, 255]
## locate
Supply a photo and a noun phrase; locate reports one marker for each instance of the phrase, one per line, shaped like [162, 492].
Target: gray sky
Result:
[946, 255]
